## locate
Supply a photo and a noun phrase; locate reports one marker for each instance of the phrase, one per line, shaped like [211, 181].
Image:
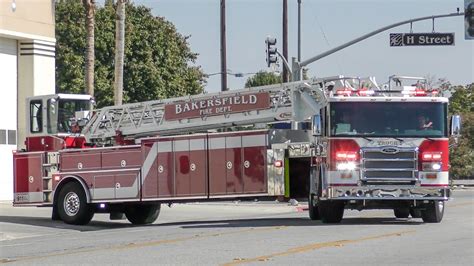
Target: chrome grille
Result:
[381, 167]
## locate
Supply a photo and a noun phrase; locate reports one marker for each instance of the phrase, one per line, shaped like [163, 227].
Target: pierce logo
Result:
[390, 150]
[217, 106]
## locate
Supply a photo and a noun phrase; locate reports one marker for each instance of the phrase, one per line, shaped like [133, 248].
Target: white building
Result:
[27, 68]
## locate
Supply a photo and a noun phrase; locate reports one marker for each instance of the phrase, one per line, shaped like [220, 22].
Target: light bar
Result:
[346, 156]
[344, 92]
[431, 156]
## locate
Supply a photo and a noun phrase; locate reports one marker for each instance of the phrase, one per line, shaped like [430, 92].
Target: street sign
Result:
[421, 39]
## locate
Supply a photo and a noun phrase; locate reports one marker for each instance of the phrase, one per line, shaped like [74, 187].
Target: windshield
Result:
[66, 115]
[388, 119]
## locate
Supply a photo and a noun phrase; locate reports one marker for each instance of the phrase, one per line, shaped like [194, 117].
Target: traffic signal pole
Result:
[298, 66]
[285, 38]
[223, 49]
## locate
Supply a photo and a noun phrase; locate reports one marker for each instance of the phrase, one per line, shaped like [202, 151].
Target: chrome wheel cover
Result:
[440, 206]
[71, 204]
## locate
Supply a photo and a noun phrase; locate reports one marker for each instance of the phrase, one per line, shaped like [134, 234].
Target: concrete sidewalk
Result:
[462, 182]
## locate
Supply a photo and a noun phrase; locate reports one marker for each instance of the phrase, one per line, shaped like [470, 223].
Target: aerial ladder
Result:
[296, 101]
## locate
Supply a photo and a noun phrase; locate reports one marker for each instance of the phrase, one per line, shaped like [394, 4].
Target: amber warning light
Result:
[278, 163]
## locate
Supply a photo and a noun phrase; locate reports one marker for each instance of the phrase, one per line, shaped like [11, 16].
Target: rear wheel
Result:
[142, 213]
[434, 212]
[72, 205]
[415, 213]
[313, 208]
[331, 211]
[401, 212]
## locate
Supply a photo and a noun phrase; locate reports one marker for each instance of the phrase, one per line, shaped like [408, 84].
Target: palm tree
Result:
[89, 6]
[119, 50]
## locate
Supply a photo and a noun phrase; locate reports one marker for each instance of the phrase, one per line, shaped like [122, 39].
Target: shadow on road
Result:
[224, 223]
[290, 222]
[47, 222]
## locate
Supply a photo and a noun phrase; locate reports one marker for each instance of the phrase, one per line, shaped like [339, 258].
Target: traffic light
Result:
[272, 57]
[469, 19]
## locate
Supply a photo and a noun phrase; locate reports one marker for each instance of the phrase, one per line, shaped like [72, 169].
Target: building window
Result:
[11, 137]
[36, 116]
[3, 136]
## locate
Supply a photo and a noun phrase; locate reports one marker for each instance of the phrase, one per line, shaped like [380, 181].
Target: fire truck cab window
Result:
[36, 116]
[66, 113]
[383, 119]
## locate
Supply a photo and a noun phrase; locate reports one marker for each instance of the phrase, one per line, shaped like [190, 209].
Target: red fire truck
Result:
[343, 141]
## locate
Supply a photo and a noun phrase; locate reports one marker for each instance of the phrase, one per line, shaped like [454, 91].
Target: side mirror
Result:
[317, 126]
[456, 126]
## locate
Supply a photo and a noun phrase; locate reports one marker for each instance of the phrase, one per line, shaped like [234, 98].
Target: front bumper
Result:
[386, 193]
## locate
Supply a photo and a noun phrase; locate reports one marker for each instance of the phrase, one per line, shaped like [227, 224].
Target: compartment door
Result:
[150, 170]
[126, 185]
[233, 155]
[217, 166]
[165, 161]
[198, 170]
[28, 181]
[254, 162]
[182, 167]
[104, 187]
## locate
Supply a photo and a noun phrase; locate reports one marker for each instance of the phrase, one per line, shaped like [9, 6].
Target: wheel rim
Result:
[440, 206]
[71, 204]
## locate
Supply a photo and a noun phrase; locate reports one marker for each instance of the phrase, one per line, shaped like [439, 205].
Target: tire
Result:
[140, 214]
[434, 212]
[331, 211]
[313, 209]
[415, 213]
[72, 205]
[401, 213]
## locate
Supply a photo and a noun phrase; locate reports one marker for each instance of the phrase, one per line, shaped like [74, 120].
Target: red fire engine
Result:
[345, 142]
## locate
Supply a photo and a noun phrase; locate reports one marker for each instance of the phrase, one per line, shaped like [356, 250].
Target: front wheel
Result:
[434, 212]
[313, 209]
[142, 213]
[72, 205]
[415, 213]
[331, 211]
[401, 212]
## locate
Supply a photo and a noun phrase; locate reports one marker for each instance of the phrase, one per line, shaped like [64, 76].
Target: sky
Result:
[325, 24]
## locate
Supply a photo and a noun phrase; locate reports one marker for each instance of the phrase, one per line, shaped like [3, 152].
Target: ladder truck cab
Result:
[292, 140]
[381, 148]
[55, 121]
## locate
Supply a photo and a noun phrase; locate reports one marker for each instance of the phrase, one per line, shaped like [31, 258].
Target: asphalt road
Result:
[241, 233]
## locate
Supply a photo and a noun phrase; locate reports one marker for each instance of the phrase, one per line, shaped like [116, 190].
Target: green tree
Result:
[262, 78]
[158, 61]
[462, 155]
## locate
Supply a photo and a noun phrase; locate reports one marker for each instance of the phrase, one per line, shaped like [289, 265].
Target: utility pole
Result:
[299, 30]
[223, 49]
[285, 38]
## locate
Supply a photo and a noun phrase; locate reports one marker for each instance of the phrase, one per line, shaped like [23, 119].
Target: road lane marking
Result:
[168, 241]
[138, 244]
[310, 247]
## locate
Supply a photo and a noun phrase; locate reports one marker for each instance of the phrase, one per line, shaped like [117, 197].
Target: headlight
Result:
[435, 166]
[347, 166]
